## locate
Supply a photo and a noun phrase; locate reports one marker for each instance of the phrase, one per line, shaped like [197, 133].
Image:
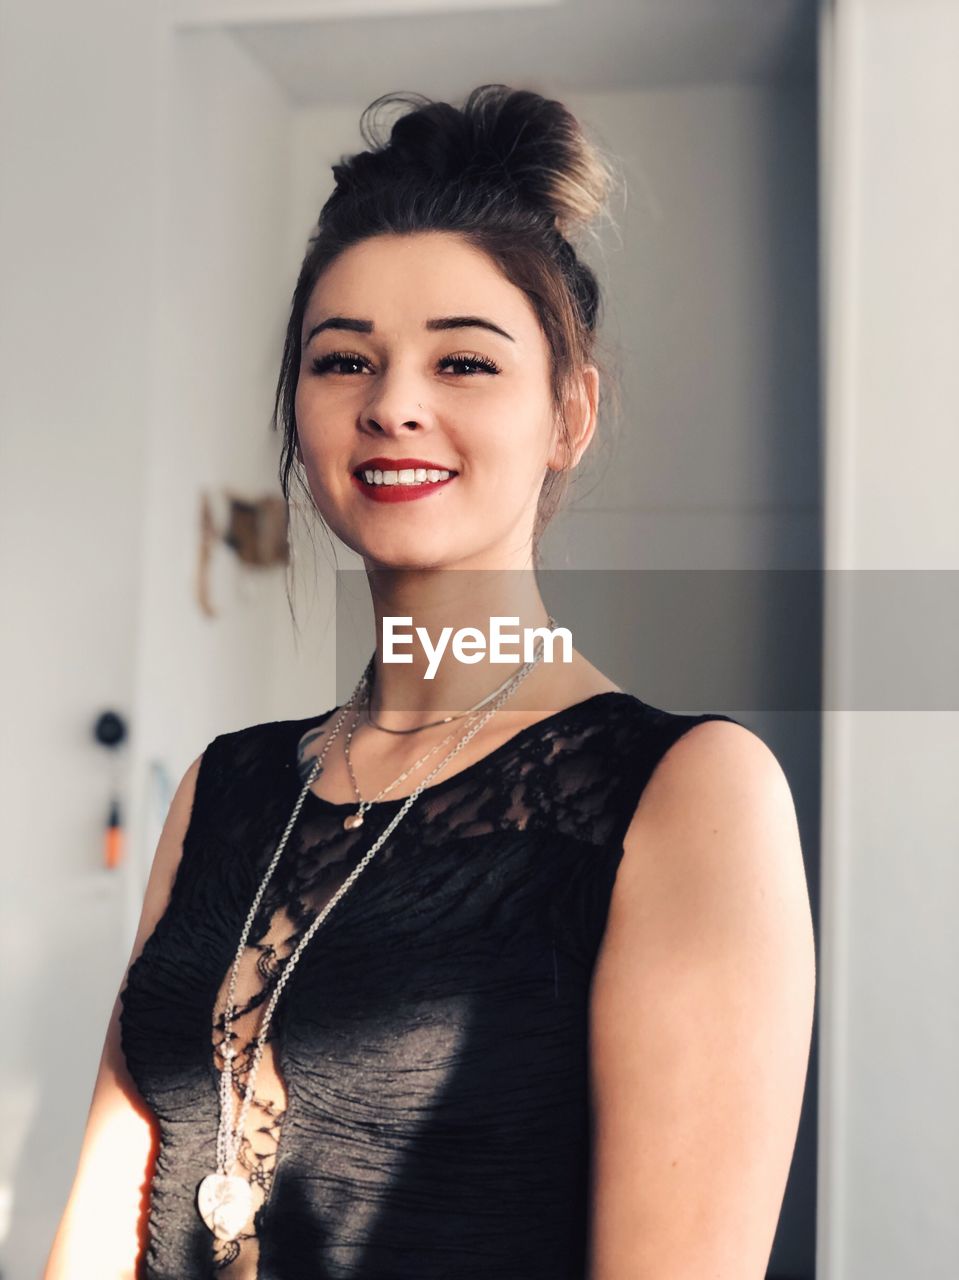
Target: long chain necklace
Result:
[225, 1198]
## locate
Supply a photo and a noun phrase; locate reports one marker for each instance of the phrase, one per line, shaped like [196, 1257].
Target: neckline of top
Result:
[573, 709]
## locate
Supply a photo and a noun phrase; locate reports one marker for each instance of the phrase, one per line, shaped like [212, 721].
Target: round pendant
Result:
[225, 1201]
[353, 821]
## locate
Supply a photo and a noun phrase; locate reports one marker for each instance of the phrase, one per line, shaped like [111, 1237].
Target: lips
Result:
[431, 478]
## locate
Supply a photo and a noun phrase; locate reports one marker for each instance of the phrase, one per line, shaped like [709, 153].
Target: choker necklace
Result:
[458, 715]
[224, 1199]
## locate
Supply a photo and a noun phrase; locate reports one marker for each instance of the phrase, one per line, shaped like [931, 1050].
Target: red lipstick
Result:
[399, 492]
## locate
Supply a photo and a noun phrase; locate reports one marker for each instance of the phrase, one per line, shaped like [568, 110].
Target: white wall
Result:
[890, 947]
[75, 235]
[223, 277]
[145, 276]
[712, 326]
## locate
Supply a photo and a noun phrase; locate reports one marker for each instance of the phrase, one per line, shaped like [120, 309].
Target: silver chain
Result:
[364, 805]
[229, 1136]
[459, 715]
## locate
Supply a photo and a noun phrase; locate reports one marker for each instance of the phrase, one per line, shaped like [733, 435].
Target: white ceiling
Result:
[574, 46]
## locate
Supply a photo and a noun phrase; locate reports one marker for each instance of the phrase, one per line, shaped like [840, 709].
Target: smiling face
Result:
[418, 352]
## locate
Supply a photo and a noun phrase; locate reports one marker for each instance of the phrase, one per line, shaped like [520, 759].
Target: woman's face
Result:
[420, 356]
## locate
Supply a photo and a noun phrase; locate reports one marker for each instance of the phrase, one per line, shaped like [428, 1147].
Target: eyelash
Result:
[323, 364]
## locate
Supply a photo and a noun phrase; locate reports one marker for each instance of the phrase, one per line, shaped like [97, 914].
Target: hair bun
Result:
[508, 139]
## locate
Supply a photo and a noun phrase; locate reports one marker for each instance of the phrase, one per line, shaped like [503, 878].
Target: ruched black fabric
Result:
[433, 1037]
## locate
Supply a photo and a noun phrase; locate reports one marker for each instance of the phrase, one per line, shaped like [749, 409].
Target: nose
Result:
[395, 406]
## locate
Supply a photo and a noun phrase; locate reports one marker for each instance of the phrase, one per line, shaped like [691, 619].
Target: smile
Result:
[400, 479]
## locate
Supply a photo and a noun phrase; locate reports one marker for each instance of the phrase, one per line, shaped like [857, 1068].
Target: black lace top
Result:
[422, 1107]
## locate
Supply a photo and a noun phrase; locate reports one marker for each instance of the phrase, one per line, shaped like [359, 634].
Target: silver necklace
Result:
[458, 715]
[225, 1198]
[354, 820]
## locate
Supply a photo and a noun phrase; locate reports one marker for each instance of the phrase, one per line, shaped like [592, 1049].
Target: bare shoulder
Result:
[719, 789]
[713, 850]
[700, 1016]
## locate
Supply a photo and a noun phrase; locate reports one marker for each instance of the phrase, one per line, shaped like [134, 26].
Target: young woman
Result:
[470, 977]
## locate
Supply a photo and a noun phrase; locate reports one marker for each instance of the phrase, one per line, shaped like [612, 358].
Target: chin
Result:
[397, 558]
[430, 547]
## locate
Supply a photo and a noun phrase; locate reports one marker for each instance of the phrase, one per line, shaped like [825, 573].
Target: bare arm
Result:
[101, 1230]
[701, 1016]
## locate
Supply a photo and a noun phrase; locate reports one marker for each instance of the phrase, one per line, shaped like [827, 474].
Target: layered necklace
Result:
[354, 820]
[224, 1197]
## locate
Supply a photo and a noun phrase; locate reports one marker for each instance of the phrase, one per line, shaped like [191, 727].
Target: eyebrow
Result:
[443, 322]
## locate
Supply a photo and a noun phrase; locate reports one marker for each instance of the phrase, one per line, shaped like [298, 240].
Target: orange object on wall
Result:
[113, 838]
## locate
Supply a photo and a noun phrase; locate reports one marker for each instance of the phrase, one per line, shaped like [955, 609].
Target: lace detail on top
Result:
[300, 887]
[420, 1104]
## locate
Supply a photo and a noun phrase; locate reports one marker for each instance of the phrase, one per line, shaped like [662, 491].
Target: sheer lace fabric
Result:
[299, 889]
[421, 1109]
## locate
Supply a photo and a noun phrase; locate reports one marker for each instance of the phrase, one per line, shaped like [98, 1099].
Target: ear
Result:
[582, 405]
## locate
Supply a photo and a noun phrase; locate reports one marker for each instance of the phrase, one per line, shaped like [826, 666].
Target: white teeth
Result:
[406, 475]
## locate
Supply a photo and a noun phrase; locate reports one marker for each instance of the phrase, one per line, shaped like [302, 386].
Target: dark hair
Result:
[511, 172]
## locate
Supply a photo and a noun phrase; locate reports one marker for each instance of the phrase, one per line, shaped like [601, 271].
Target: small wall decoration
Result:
[256, 530]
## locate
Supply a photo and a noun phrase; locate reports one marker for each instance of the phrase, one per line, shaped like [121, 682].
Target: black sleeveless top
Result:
[433, 1036]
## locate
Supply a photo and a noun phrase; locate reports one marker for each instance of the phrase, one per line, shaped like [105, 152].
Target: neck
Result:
[434, 682]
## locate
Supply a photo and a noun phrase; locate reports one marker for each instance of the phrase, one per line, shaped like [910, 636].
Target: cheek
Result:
[322, 420]
[316, 445]
[309, 407]
[515, 428]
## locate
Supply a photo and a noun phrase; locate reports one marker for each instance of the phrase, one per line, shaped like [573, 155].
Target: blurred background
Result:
[782, 283]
